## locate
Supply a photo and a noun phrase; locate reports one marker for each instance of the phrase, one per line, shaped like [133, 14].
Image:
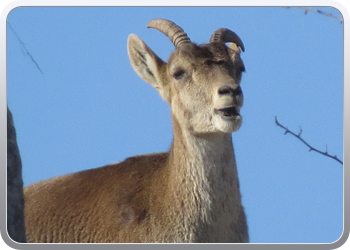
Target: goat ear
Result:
[145, 62]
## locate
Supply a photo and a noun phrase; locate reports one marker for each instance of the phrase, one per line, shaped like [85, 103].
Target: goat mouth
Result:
[227, 113]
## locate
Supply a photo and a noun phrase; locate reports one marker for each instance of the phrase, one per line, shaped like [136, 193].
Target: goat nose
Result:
[226, 90]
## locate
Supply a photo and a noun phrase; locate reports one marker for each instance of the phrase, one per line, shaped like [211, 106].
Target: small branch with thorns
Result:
[328, 14]
[325, 153]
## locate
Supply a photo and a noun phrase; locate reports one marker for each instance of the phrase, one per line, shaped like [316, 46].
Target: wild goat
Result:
[190, 193]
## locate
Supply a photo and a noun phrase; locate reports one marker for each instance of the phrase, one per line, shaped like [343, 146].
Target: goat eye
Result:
[179, 74]
[211, 62]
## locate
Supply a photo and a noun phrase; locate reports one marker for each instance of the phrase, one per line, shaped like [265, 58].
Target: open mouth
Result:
[228, 112]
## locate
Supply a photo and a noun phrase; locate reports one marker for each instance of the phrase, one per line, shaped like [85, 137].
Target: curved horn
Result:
[171, 30]
[225, 35]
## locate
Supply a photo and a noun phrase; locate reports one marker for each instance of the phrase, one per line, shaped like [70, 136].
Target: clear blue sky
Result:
[88, 108]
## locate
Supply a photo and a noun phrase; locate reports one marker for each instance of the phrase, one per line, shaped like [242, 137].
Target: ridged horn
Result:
[226, 36]
[171, 30]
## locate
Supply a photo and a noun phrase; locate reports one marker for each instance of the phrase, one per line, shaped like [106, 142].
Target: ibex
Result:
[190, 193]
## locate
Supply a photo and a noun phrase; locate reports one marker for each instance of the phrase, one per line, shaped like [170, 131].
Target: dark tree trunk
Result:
[15, 200]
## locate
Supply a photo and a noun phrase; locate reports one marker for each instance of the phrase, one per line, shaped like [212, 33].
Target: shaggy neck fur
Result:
[204, 188]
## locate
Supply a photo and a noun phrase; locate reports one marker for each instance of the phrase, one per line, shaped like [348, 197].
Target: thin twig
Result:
[328, 14]
[24, 47]
[325, 153]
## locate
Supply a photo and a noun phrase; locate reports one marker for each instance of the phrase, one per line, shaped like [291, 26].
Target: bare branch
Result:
[325, 153]
[328, 14]
[25, 48]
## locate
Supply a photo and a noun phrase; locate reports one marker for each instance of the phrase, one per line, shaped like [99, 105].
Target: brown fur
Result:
[189, 194]
[121, 192]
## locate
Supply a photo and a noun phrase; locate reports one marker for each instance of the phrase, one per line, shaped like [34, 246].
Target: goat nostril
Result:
[225, 90]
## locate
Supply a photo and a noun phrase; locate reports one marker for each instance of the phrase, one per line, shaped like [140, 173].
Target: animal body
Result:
[190, 193]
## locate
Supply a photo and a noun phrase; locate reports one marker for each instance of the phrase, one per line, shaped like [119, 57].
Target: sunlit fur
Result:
[195, 96]
[189, 194]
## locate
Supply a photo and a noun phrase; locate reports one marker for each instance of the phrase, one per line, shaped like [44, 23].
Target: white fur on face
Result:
[194, 102]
